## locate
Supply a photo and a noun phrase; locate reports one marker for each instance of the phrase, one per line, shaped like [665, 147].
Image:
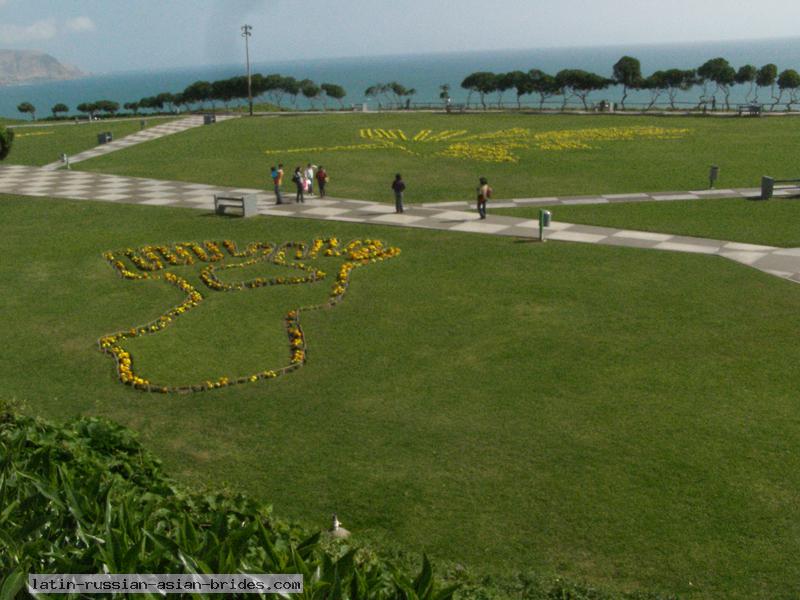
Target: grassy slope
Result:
[44, 144]
[773, 223]
[232, 153]
[614, 415]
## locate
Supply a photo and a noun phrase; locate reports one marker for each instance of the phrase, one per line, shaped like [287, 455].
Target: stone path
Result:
[616, 198]
[151, 133]
[79, 185]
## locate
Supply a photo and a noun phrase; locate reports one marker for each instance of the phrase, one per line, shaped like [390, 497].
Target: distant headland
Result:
[32, 66]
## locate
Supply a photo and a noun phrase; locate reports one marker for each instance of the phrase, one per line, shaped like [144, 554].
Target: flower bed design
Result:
[153, 261]
[496, 146]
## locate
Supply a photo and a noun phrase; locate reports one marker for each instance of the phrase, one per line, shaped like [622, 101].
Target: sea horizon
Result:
[425, 71]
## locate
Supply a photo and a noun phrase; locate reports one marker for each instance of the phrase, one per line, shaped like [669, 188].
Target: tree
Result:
[502, 83]
[272, 86]
[482, 82]
[107, 106]
[586, 83]
[576, 82]
[767, 76]
[542, 84]
[168, 99]
[721, 73]
[334, 91]
[674, 81]
[656, 84]
[27, 107]
[199, 92]
[747, 74]
[178, 100]
[88, 107]
[564, 80]
[59, 108]
[223, 91]
[789, 81]
[444, 92]
[628, 74]
[292, 87]
[310, 90]
[151, 102]
[523, 84]
[134, 106]
[376, 91]
[398, 92]
[6, 140]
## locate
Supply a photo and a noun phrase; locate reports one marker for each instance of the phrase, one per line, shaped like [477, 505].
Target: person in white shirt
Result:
[309, 174]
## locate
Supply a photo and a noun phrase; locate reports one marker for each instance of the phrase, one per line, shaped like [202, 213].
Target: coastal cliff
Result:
[29, 66]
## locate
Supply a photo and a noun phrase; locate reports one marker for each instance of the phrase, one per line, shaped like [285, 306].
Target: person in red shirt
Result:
[322, 179]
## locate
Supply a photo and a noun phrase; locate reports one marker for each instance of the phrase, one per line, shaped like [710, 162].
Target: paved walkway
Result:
[34, 181]
[145, 135]
[617, 198]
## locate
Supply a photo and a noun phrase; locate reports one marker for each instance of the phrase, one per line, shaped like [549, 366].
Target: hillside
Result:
[27, 66]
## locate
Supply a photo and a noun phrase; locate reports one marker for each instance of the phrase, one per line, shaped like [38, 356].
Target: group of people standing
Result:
[303, 180]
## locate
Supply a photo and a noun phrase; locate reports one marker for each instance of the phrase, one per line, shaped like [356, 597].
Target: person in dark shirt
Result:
[399, 186]
[299, 180]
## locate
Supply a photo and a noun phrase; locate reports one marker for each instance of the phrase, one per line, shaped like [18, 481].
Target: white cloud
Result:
[78, 24]
[40, 30]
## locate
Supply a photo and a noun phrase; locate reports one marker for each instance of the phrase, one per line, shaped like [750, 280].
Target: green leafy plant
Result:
[6, 139]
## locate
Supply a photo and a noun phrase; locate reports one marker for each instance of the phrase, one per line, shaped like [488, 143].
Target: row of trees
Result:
[276, 88]
[91, 108]
[715, 76]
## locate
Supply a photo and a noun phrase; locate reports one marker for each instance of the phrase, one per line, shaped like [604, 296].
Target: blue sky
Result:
[115, 35]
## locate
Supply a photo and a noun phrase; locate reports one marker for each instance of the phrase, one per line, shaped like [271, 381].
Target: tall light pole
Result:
[246, 33]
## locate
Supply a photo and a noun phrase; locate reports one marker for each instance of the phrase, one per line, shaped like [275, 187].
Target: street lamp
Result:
[246, 33]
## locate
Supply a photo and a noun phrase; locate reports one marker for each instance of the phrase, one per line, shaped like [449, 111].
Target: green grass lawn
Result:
[622, 417]
[775, 222]
[233, 153]
[44, 143]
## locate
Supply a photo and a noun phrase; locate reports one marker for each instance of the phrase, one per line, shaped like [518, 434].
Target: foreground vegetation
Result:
[609, 415]
[771, 223]
[522, 155]
[85, 497]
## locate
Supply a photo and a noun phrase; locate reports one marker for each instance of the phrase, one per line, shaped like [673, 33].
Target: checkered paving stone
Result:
[145, 135]
[613, 198]
[34, 181]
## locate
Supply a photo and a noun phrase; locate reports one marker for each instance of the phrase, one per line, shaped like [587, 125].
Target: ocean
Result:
[425, 72]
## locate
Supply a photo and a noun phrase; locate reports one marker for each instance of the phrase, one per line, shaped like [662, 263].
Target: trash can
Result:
[104, 138]
[209, 119]
[767, 187]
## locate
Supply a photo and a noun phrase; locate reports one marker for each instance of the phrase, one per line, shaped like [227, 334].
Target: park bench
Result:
[450, 108]
[248, 204]
[768, 186]
[749, 110]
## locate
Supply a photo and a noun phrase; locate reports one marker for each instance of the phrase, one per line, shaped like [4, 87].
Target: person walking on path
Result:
[484, 193]
[277, 179]
[310, 178]
[322, 179]
[299, 181]
[399, 186]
